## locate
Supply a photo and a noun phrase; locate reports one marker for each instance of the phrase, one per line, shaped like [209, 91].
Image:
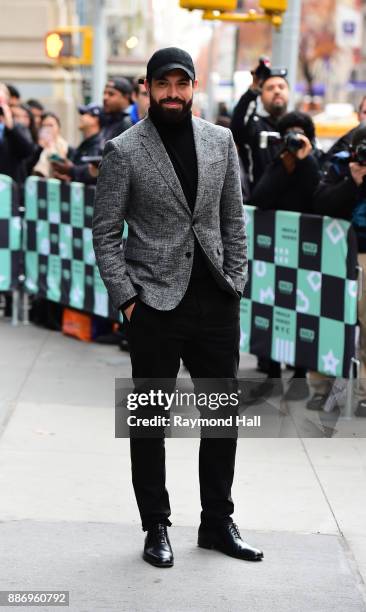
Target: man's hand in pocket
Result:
[129, 310]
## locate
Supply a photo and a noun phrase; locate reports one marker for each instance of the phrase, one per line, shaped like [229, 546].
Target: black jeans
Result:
[204, 331]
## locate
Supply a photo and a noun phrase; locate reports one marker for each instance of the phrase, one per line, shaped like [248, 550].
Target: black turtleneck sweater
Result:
[178, 141]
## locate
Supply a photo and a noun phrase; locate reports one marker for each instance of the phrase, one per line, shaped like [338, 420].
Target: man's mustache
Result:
[175, 100]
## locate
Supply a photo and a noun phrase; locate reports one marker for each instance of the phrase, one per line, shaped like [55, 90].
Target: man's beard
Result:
[170, 115]
[277, 110]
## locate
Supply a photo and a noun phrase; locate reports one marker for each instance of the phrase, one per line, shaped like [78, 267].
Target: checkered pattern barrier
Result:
[10, 235]
[300, 303]
[59, 257]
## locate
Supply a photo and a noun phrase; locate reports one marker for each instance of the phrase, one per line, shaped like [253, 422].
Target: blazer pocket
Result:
[217, 161]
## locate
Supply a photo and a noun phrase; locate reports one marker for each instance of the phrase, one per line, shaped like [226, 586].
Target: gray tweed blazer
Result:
[137, 184]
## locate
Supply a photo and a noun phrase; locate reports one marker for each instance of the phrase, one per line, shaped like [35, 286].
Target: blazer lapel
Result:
[155, 148]
[202, 153]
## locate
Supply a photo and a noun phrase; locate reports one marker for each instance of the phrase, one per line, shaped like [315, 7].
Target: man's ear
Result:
[195, 84]
[147, 86]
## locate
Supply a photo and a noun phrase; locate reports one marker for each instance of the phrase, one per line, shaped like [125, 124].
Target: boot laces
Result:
[234, 529]
[162, 534]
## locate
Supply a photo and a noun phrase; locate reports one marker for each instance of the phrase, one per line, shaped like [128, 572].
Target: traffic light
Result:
[58, 45]
[224, 10]
[209, 5]
[273, 6]
[70, 45]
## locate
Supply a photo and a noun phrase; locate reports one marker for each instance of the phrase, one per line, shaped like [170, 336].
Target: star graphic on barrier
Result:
[330, 362]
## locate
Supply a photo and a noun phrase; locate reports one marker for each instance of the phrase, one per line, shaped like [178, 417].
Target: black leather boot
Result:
[227, 539]
[157, 549]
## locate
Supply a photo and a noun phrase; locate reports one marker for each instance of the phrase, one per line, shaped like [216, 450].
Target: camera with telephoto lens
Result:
[263, 70]
[291, 141]
[359, 153]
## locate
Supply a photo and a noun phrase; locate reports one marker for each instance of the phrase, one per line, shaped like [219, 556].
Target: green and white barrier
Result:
[300, 302]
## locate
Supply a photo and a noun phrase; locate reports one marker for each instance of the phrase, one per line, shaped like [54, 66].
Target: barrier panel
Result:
[300, 302]
[59, 257]
[10, 235]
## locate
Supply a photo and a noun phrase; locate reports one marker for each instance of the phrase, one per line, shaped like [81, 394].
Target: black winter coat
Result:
[90, 147]
[114, 124]
[15, 146]
[246, 126]
[279, 190]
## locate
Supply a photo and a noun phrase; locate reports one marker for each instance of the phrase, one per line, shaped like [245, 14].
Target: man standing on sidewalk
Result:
[175, 180]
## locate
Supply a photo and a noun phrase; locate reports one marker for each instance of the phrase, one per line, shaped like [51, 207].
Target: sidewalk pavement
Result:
[68, 518]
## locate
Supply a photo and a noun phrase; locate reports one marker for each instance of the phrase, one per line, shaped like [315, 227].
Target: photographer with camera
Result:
[342, 190]
[290, 180]
[342, 194]
[344, 142]
[249, 119]
[289, 183]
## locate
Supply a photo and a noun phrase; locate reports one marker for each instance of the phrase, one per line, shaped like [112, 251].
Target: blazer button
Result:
[188, 255]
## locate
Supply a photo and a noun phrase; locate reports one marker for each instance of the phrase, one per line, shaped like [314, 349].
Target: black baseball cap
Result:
[275, 72]
[90, 109]
[121, 84]
[170, 58]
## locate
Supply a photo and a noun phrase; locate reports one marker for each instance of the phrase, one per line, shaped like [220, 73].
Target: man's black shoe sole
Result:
[157, 563]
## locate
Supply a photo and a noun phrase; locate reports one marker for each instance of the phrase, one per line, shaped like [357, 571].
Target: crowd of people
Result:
[32, 140]
[288, 171]
[282, 167]
[32, 143]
